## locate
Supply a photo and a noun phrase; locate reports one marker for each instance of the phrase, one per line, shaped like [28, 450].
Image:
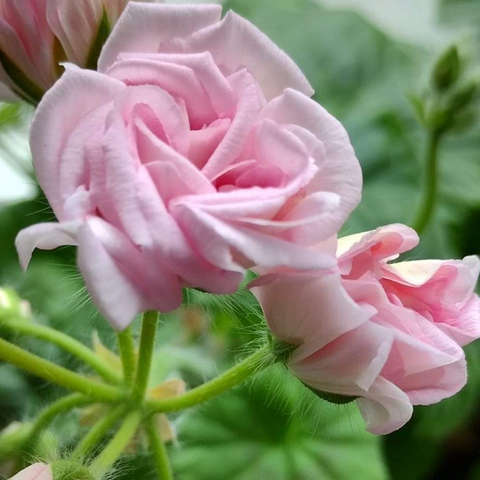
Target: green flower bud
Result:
[447, 70]
[70, 470]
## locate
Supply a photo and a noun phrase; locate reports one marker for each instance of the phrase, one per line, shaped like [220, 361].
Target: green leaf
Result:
[275, 428]
[103, 33]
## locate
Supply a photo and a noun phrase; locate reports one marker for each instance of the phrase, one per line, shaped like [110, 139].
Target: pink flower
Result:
[38, 471]
[387, 335]
[193, 155]
[35, 35]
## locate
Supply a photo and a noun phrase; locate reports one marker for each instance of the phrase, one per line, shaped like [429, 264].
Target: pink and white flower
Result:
[194, 154]
[387, 335]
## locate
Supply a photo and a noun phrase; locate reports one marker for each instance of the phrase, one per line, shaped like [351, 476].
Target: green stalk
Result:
[106, 460]
[127, 353]
[98, 432]
[67, 343]
[159, 452]
[147, 344]
[252, 365]
[59, 375]
[428, 200]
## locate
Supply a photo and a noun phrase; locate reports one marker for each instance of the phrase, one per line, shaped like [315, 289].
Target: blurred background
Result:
[366, 60]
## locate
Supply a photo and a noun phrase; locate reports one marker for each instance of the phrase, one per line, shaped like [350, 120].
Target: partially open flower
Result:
[386, 335]
[35, 35]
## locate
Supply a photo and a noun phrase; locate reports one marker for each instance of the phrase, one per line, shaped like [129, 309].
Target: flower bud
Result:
[36, 35]
[70, 470]
[447, 70]
[12, 438]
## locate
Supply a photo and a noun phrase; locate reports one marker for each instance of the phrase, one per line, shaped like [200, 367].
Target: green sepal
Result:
[332, 397]
[24, 87]
[281, 350]
[69, 470]
[103, 33]
[447, 70]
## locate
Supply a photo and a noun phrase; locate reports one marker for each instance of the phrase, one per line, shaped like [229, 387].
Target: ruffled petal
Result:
[385, 408]
[236, 43]
[56, 118]
[153, 25]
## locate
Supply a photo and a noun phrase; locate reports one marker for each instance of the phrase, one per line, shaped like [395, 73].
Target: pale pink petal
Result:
[57, 117]
[45, 236]
[220, 92]
[153, 25]
[466, 327]
[121, 280]
[320, 312]
[338, 168]
[177, 80]
[368, 251]
[235, 43]
[250, 104]
[385, 407]
[38, 471]
[260, 249]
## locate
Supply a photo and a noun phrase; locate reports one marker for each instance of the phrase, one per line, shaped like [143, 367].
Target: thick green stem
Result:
[428, 200]
[98, 432]
[252, 365]
[147, 344]
[106, 460]
[53, 373]
[67, 343]
[127, 353]
[159, 452]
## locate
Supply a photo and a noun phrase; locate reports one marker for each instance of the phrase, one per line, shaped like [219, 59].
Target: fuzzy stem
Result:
[98, 432]
[147, 344]
[249, 367]
[67, 343]
[106, 460]
[159, 452]
[128, 355]
[59, 375]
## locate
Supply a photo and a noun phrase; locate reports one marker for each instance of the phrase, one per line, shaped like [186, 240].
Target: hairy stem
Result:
[128, 355]
[106, 460]
[159, 452]
[59, 375]
[249, 367]
[67, 343]
[98, 432]
[147, 344]
[428, 200]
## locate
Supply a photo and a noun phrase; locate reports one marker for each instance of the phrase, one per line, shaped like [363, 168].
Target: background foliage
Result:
[274, 428]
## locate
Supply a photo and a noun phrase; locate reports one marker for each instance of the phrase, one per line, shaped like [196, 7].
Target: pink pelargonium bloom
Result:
[38, 471]
[387, 335]
[35, 35]
[194, 154]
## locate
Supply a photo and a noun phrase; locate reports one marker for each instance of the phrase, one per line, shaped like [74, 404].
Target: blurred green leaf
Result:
[275, 428]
